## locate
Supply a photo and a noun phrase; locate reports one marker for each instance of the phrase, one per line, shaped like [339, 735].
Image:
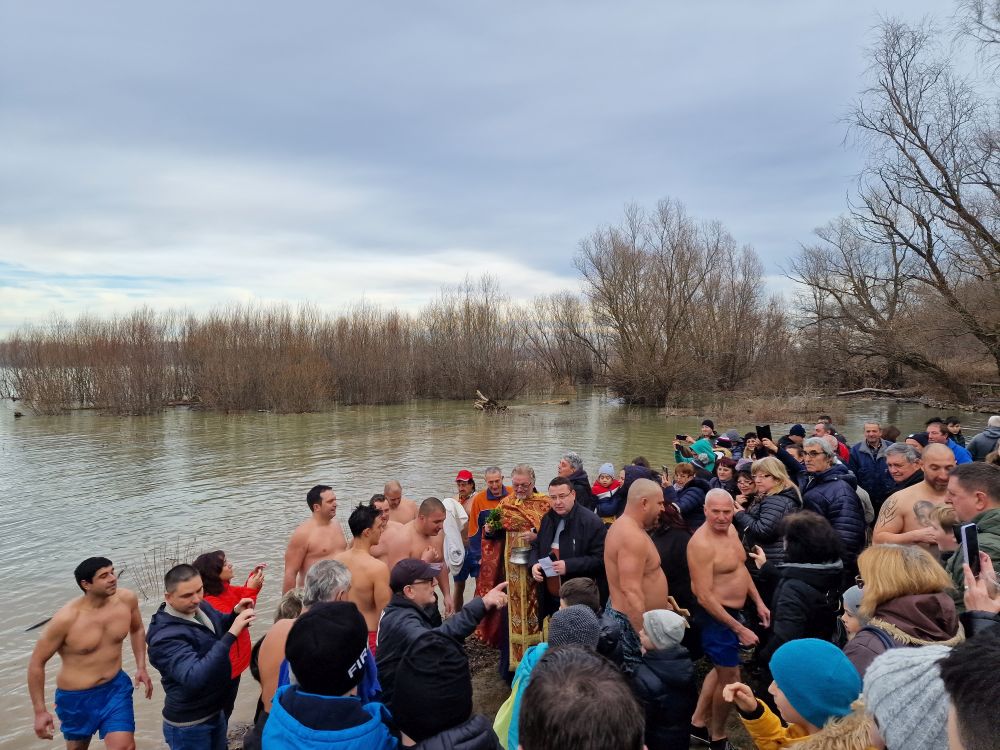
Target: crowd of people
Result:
[840, 596]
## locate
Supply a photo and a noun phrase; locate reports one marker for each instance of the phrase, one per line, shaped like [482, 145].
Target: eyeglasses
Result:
[859, 582]
[813, 453]
[523, 485]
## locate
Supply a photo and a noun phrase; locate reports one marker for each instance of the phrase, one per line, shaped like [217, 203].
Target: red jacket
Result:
[239, 654]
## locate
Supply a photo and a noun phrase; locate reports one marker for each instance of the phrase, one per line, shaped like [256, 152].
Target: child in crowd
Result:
[944, 521]
[851, 619]
[814, 686]
[608, 505]
[664, 683]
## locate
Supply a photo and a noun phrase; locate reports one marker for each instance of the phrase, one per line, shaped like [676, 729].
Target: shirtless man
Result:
[636, 581]
[401, 509]
[425, 535]
[721, 582]
[905, 517]
[369, 575]
[319, 538]
[93, 694]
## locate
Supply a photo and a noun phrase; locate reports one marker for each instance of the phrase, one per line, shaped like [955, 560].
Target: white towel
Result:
[455, 520]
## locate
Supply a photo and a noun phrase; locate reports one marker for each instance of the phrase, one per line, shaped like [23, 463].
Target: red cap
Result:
[464, 476]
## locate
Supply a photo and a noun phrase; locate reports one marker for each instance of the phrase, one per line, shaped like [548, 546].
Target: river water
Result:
[85, 484]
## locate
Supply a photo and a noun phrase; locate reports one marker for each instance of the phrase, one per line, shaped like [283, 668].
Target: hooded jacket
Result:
[691, 502]
[913, 620]
[306, 721]
[870, 469]
[831, 494]
[581, 485]
[984, 443]
[704, 455]
[664, 683]
[988, 526]
[760, 523]
[768, 733]
[403, 621]
[475, 734]
[193, 663]
[806, 602]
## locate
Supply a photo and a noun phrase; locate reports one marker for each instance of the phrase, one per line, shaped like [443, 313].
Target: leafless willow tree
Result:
[932, 185]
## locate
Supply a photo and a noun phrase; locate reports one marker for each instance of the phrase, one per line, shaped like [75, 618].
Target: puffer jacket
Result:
[304, 721]
[871, 471]
[665, 685]
[609, 643]
[805, 604]
[474, 734]
[915, 620]
[831, 494]
[984, 443]
[760, 523]
[691, 502]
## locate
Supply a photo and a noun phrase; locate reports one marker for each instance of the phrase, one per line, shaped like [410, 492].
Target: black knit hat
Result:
[326, 648]
[433, 687]
[708, 423]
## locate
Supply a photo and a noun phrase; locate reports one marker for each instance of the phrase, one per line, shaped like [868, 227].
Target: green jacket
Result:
[701, 447]
[988, 523]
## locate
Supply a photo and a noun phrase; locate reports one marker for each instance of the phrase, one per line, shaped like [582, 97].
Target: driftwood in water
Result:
[876, 391]
[485, 403]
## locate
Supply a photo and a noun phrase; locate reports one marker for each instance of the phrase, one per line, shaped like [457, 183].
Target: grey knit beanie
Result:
[664, 627]
[576, 624]
[904, 692]
[852, 600]
[608, 468]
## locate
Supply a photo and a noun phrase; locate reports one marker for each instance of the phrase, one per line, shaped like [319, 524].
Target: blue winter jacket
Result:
[962, 456]
[831, 494]
[306, 721]
[871, 471]
[193, 663]
[691, 502]
[521, 678]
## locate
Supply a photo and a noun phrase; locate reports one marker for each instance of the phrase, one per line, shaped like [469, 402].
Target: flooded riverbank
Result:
[83, 484]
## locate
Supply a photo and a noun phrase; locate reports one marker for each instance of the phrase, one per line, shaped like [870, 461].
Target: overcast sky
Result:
[188, 154]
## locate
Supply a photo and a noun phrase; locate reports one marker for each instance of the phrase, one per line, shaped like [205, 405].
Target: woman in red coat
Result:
[216, 573]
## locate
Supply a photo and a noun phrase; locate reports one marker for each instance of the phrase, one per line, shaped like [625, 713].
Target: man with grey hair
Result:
[902, 461]
[986, 441]
[571, 467]
[326, 581]
[828, 488]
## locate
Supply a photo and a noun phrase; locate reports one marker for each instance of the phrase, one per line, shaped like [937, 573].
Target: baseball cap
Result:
[464, 476]
[409, 570]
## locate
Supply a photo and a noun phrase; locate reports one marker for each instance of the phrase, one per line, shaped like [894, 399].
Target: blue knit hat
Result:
[816, 678]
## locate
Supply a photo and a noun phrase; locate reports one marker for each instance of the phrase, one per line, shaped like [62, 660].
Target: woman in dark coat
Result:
[806, 585]
[725, 476]
[777, 496]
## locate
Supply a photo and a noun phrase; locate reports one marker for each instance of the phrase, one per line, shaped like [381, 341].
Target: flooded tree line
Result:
[902, 290]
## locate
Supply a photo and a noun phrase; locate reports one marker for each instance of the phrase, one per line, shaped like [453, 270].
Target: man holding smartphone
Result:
[974, 493]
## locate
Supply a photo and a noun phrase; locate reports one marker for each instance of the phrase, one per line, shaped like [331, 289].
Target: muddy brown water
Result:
[84, 484]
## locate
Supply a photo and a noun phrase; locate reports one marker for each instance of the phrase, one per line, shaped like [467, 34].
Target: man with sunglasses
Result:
[407, 617]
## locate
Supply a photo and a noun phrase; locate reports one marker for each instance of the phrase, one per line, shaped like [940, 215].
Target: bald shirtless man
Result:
[721, 582]
[93, 693]
[319, 538]
[401, 509]
[905, 517]
[635, 579]
[425, 535]
[369, 575]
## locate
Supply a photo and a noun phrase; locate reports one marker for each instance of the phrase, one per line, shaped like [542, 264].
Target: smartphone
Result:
[970, 547]
[681, 437]
[764, 432]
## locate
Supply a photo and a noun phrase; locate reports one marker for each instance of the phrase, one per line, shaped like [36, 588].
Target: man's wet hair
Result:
[177, 575]
[313, 496]
[969, 674]
[86, 570]
[363, 517]
[430, 505]
[578, 699]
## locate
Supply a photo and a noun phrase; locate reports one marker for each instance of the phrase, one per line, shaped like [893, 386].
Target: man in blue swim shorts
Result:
[721, 582]
[93, 694]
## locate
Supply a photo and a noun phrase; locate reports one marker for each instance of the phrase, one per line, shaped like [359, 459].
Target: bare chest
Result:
[93, 631]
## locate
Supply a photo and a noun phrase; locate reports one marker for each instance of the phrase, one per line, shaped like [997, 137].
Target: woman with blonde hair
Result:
[777, 496]
[904, 597]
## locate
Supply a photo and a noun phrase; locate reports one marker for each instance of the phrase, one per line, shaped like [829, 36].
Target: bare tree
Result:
[932, 186]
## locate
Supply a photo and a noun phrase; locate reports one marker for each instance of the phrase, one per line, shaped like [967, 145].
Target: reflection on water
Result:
[83, 485]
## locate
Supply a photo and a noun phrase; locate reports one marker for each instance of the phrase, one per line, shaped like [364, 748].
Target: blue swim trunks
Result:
[470, 567]
[105, 708]
[720, 643]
